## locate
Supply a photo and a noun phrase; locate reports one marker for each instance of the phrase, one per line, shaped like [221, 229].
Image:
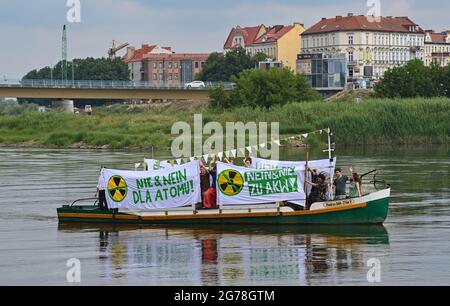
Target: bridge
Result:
[110, 90]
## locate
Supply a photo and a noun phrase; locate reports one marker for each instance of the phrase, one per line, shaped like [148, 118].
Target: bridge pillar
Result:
[64, 105]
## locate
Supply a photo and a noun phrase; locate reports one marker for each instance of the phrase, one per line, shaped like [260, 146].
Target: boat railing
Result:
[377, 183]
[87, 199]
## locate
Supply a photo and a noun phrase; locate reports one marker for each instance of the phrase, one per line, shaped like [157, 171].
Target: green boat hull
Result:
[370, 212]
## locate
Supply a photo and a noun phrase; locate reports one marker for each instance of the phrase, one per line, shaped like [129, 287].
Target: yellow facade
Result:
[289, 46]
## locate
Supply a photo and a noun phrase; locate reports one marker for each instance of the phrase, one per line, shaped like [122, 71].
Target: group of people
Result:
[323, 190]
[208, 182]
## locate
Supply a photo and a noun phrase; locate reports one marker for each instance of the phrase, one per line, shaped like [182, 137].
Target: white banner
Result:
[240, 186]
[155, 189]
[322, 166]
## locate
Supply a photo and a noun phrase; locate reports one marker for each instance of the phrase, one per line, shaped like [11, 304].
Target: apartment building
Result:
[172, 69]
[370, 45]
[280, 43]
[437, 48]
[135, 56]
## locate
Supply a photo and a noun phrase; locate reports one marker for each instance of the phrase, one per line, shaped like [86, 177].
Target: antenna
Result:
[64, 54]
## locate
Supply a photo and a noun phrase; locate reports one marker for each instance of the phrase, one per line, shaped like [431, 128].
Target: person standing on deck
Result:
[101, 193]
[340, 183]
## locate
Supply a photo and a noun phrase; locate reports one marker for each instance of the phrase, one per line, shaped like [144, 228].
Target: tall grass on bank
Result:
[411, 121]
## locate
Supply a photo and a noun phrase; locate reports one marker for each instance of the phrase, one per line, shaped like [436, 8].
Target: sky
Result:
[30, 30]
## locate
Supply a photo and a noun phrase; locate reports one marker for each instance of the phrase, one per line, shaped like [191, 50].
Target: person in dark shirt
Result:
[318, 190]
[340, 183]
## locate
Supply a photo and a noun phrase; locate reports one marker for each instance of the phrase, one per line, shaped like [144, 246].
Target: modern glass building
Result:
[323, 73]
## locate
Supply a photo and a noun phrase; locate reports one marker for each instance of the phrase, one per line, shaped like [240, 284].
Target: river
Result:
[412, 248]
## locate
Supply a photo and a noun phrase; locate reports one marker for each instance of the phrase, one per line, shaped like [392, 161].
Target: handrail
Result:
[79, 200]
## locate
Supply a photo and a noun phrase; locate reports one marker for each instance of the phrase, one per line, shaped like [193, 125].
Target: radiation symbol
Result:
[117, 188]
[230, 182]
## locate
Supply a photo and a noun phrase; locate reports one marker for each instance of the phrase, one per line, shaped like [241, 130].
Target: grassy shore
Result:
[371, 122]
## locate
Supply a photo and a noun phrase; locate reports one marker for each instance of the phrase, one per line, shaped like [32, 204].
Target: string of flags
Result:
[234, 152]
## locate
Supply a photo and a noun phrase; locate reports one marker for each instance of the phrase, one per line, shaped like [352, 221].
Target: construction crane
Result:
[112, 51]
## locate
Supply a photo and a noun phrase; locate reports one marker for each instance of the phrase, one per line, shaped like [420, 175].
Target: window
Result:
[203, 65]
[175, 65]
[161, 65]
[176, 77]
[154, 65]
[170, 77]
[350, 56]
[350, 40]
[161, 77]
[155, 77]
[196, 65]
[170, 65]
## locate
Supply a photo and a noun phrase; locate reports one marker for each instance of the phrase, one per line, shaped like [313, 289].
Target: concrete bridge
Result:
[123, 90]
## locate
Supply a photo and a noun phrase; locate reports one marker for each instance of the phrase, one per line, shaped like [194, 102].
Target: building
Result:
[134, 59]
[324, 74]
[280, 43]
[437, 48]
[371, 45]
[174, 69]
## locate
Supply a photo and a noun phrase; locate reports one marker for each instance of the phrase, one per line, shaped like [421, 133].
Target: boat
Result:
[370, 209]
[245, 196]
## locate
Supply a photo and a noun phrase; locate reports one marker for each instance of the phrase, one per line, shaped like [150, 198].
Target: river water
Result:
[412, 248]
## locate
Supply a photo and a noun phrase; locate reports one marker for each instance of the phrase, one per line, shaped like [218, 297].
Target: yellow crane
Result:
[113, 51]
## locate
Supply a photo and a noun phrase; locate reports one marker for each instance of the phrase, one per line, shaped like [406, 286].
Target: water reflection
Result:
[230, 255]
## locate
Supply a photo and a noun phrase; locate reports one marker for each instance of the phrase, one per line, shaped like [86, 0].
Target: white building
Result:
[371, 45]
[437, 48]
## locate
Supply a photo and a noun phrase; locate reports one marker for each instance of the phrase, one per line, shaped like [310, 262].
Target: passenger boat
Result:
[135, 198]
[369, 209]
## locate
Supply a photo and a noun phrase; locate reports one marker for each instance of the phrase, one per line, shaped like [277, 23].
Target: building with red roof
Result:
[437, 48]
[134, 58]
[370, 44]
[280, 43]
[172, 69]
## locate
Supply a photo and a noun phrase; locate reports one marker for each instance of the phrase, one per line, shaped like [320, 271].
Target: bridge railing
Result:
[78, 84]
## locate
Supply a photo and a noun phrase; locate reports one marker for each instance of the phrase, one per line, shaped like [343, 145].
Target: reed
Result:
[372, 122]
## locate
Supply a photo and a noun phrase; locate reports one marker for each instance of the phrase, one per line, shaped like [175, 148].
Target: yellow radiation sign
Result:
[117, 188]
[230, 182]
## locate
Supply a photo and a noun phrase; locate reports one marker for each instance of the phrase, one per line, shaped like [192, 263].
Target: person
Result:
[355, 185]
[205, 182]
[318, 190]
[340, 183]
[248, 162]
[210, 197]
[101, 193]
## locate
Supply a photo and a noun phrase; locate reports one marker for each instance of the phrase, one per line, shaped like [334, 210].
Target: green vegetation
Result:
[89, 69]
[415, 80]
[374, 121]
[264, 88]
[221, 67]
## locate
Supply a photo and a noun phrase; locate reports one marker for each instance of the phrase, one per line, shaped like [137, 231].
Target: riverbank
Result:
[371, 122]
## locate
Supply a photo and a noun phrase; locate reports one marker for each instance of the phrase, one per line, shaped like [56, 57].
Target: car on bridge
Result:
[195, 84]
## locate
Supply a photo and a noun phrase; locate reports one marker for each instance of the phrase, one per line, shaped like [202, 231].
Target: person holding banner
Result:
[210, 197]
[101, 193]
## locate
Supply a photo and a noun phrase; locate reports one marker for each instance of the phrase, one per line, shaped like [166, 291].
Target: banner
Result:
[240, 186]
[322, 166]
[156, 189]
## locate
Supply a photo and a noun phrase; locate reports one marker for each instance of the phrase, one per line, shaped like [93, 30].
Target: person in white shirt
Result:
[101, 193]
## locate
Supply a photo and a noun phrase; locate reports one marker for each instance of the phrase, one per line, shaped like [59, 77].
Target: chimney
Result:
[323, 18]
[130, 52]
[350, 15]
[338, 17]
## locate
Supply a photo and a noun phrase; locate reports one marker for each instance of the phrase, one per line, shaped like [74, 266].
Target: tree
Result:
[92, 69]
[221, 67]
[264, 88]
[413, 80]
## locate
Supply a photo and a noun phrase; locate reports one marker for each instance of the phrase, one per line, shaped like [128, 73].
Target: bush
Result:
[264, 88]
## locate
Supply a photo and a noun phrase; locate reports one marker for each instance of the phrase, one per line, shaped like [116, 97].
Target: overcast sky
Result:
[30, 30]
